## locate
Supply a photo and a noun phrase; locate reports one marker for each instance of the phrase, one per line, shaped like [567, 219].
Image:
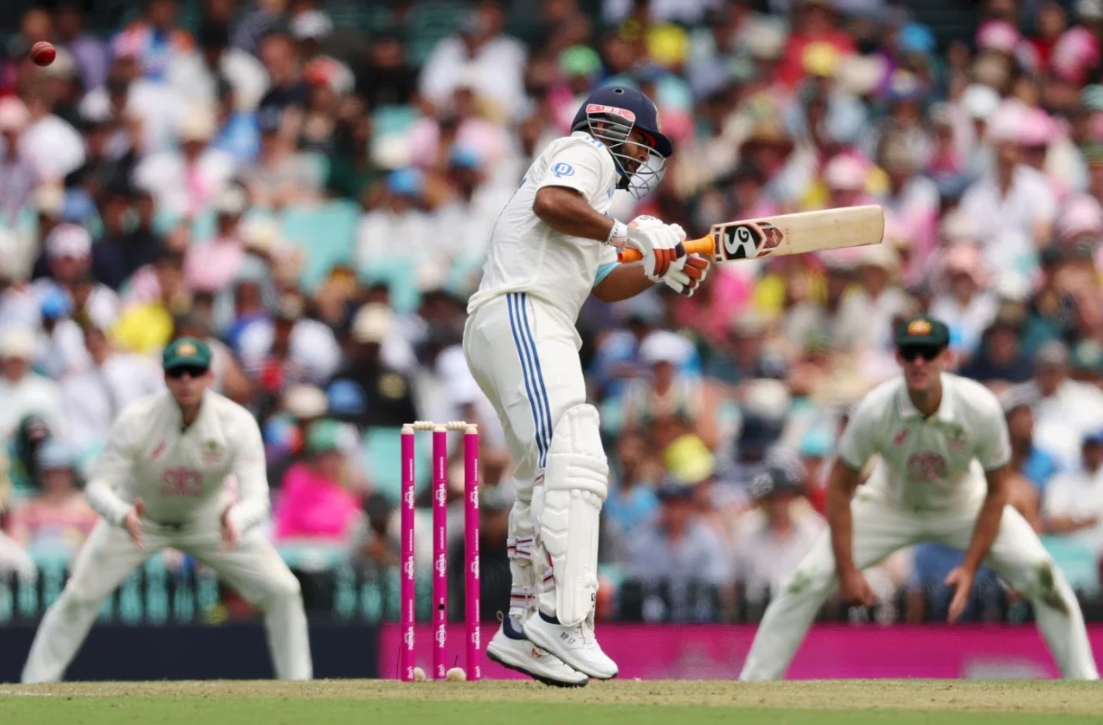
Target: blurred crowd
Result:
[310, 185]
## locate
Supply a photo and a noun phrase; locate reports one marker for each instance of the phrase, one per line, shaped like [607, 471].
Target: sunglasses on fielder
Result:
[192, 371]
[927, 352]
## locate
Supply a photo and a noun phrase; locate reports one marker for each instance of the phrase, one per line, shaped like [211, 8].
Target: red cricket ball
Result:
[43, 53]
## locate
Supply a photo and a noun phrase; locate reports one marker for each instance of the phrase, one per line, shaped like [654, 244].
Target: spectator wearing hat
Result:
[56, 519]
[665, 396]
[398, 216]
[471, 209]
[1073, 505]
[365, 390]
[186, 182]
[92, 399]
[1013, 204]
[482, 53]
[23, 391]
[676, 554]
[911, 199]
[1064, 409]
[18, 176]
[867, 311]
[963, 304]
[68, 261]
[742, 355]
[316, 499]
[773, 537]
[50, 143]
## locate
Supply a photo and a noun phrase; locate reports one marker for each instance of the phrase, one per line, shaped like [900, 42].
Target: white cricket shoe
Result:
[511, 649]
[575, 645]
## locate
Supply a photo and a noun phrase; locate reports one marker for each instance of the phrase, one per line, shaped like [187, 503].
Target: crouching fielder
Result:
[160, 483]
[941, 439]
[554, 245]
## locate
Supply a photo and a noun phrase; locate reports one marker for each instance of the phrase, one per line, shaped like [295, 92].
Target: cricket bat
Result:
[778, 236]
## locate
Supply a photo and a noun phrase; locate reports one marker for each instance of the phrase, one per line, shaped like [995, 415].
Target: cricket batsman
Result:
[553, 246]
[161, 482]
[942, 477]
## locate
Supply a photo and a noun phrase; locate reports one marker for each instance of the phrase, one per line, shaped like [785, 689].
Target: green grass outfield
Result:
[840, 702]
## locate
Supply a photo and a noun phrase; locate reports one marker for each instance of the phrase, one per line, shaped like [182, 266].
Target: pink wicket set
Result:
[440, 548]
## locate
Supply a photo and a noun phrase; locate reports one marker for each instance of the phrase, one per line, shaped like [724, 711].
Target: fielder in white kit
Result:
[554, 245]
[942, 477]
[161, 483]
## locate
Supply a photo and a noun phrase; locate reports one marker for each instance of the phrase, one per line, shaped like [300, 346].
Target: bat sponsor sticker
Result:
[754, 239]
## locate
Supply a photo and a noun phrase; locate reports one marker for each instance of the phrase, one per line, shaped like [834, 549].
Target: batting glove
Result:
[660, 244]
[687, 274]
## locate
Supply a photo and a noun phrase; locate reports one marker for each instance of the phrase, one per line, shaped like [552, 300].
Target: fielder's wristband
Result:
[619, 233]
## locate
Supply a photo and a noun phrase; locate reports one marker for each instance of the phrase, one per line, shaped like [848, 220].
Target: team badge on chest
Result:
[211, 453]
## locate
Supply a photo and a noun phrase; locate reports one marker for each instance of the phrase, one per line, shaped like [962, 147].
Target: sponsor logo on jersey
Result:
[561, 170]
[622, 112]
[181, 483]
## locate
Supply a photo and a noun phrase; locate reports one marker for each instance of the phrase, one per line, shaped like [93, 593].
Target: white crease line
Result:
[21, 693]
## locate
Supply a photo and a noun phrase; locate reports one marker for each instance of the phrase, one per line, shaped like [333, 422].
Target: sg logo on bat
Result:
[747, 241]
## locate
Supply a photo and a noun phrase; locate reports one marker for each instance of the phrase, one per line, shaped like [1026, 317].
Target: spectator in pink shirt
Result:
[316, 501]
[211, 267]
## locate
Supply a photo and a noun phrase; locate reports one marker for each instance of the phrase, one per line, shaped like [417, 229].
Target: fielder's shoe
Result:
[509, 648]
[576, 646]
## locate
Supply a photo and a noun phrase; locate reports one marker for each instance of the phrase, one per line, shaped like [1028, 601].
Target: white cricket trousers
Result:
[879, 529]
[109, 556]
[524, 356]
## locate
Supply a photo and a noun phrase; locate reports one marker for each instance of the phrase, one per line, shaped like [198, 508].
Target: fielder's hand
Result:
[660, 244]
[687, 274]
[961, 579]
[230, 534]
[133, 525]
[856, 591]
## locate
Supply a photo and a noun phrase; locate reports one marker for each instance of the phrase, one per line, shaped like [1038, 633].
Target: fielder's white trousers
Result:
[109, 556]
[524, 356]
[879, 529]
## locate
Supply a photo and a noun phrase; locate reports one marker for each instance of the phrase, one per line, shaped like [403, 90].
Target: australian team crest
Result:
[212, 453]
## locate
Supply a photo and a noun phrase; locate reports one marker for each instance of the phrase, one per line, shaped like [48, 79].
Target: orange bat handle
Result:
[703, 246]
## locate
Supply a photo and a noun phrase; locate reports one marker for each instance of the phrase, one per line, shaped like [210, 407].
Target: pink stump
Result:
[471, 551]
[408, 589]
[440, 550]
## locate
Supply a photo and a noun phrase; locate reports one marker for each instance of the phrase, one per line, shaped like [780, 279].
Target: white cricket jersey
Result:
[934, 462]
[526, 255]
[180, 473]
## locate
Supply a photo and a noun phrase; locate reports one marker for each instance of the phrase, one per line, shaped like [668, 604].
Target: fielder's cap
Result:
[1094, 437]
[322, 436]
[923, 330]
[186, 352]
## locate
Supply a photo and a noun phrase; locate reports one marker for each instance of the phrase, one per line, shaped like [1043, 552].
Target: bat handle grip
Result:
[701, 245]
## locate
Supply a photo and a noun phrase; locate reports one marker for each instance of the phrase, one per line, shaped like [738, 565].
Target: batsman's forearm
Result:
[565, 211]
[104, 501]
[985, 530]
[624, 282]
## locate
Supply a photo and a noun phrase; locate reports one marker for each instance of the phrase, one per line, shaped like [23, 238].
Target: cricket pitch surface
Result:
[490, 702]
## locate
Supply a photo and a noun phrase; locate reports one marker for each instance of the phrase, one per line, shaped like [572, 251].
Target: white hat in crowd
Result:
[68, 240]
[372, 324]
[17, 342]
